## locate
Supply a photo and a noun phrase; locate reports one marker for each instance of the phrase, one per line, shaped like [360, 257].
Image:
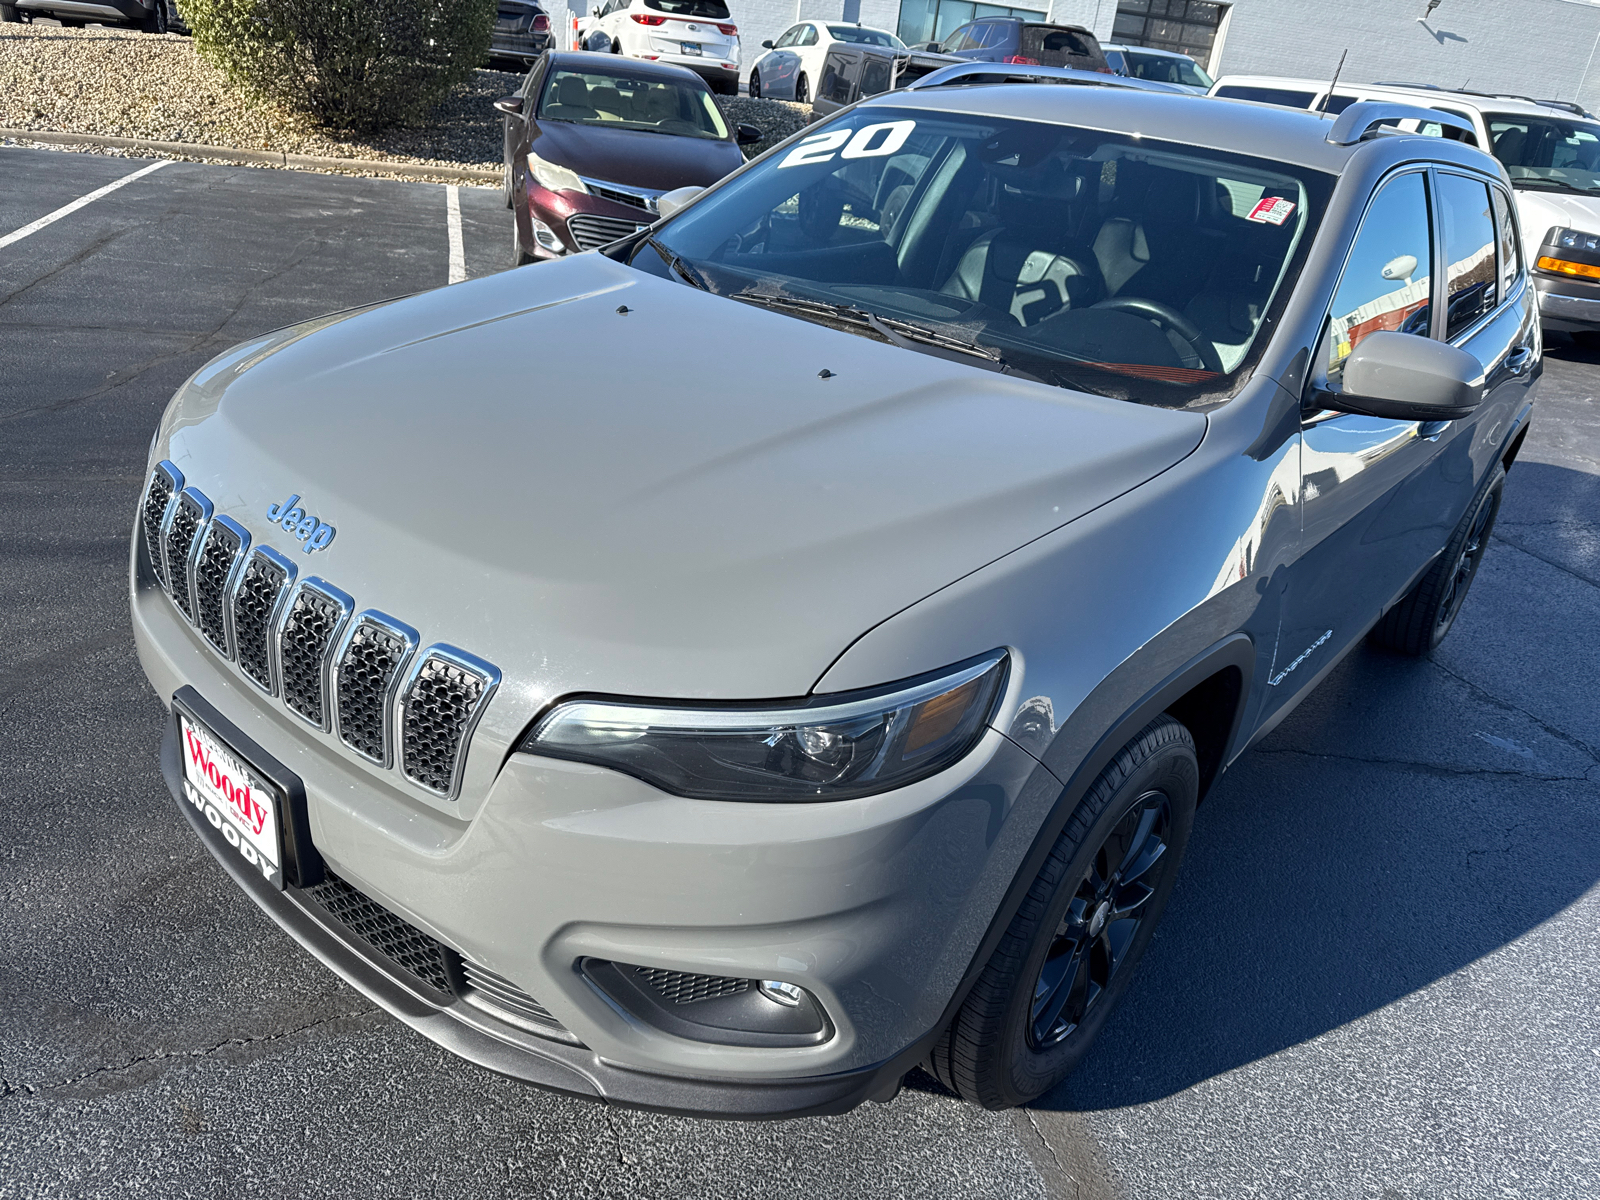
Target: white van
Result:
[1549, 148]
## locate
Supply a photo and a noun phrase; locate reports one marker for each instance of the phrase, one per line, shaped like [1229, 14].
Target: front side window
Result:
[809, 37]
[1547, 154]
[623, 102]
[1469, 240]
[1164, 68]
[1111, 263]
[1387, 281]
[790, 36]
[1510, 252]
[706, 10]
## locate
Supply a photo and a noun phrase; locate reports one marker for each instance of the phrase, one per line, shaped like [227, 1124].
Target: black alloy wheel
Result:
[1418, 623]
[1101, 921]
[802, 92]
[755, 85]
[1070, 950]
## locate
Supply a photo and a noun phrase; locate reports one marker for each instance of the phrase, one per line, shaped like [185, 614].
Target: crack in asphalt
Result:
[1433, 769]
[1565, 570]
[9, 1089]
[87, 252]
[1482, 693]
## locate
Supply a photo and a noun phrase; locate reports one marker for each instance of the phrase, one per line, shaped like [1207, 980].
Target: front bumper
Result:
[1570, 305]
[876, 906]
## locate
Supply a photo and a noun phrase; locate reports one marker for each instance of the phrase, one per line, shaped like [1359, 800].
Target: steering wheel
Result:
[1164, 316]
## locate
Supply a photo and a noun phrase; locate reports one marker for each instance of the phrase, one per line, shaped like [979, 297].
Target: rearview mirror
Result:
[767, 45]
[1407, 378]
[676, 200]
[748, 135]
[509, 104]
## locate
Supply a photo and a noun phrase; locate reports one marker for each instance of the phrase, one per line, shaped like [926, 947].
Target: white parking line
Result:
[458, 254]
[67, 210]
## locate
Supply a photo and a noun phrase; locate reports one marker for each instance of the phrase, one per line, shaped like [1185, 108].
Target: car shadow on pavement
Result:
[1411, 817]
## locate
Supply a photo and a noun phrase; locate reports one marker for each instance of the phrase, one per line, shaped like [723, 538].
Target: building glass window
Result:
[1185, 26]
[923, 21]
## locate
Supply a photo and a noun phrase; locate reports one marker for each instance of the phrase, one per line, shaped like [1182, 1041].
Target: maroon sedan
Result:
[593, 139]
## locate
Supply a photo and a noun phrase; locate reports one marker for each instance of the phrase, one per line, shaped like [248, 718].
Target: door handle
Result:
[1519, 359]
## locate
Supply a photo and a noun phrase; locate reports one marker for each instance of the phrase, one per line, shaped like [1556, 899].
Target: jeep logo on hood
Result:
[293, 519]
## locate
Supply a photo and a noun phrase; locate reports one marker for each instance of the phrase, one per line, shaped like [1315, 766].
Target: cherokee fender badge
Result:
[292, 518]
[1275, 680]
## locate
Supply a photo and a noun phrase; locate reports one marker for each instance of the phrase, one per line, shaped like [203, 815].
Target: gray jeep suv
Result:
[731, 740]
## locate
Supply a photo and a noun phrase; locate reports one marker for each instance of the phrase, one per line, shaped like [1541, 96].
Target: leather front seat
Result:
[1014, 275]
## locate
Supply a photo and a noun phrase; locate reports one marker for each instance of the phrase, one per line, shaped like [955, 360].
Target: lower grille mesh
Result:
[683, 988]
[394, 938]
[253, 606]
[590, 231]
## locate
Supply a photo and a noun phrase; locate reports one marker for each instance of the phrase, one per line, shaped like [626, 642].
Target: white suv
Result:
[697, 34]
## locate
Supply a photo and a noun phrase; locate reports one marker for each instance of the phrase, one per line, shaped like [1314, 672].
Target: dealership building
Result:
[1540, 48]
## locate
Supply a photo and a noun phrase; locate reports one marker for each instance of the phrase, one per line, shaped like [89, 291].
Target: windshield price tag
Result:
[870, 141]
[1271, 210]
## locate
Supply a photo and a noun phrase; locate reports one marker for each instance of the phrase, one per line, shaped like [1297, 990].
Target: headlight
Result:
[553, 176]
[829, 748]
[1572, 239]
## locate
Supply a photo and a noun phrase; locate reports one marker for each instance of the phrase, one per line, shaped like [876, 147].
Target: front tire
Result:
[156, 22]
[1072, 947]
[755, 85]
[802, 90]
[8, 14]
[1417, 624]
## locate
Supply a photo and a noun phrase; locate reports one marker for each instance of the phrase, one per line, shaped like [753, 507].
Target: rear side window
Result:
[1266, 95]
[1506, 227]
[1467, 219]
[1337, 103]
[1060, 47]
[875, 76]
[1388, 279]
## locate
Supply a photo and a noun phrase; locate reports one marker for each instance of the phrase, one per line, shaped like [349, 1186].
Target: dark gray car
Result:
[724, 671]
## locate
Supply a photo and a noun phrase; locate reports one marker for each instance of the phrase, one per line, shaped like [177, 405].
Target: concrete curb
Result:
[271, 158]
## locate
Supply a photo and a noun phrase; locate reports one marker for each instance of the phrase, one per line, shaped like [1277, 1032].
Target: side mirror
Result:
[510, 104]
[767, 45]
[675, 201]
[595, 11]
[748, 135]
[1407, 378]
[935, 48]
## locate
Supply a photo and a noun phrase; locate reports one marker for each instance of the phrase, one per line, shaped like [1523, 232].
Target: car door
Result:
[779, 66]
[810, 51]
[1380, 497]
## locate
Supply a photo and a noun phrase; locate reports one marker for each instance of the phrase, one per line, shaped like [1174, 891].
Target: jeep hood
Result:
[668, 501]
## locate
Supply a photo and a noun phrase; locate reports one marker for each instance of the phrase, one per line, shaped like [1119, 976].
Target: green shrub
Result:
[351, 64]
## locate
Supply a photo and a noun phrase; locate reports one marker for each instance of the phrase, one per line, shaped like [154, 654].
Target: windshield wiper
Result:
[688, 273]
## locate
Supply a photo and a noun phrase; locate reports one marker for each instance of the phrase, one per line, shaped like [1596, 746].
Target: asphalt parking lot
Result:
[1377, 977]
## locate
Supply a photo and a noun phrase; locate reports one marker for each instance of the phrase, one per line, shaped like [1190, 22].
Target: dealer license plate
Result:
[691, 47]
[234, 799]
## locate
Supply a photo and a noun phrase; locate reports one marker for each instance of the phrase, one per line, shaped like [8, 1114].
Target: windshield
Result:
[706, 10]
[1547, 153]
[865, 37]
[1110, 263]
[623, 102]
[1162, 68]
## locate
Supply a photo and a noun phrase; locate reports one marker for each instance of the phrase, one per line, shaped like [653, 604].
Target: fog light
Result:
[546, 237]
[788, 994]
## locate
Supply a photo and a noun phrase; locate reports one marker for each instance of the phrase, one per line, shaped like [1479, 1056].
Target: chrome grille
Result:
[256, 601]
[186, 521]
[165, 480]
[316, 618]
[442, 702]
[590, 231]
[683, 988]
[369, 666]
[213, 569]
[497, 995]
[394, 937]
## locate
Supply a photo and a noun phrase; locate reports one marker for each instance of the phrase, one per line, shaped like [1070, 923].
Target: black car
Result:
[854, 72]
[1032, 43]
[521, 31]
[153, 16]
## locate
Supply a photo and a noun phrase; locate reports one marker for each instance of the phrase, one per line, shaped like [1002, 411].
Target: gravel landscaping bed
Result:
[121, 83]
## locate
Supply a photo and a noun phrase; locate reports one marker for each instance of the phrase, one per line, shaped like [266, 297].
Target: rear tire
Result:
[802, 91]
[1417, 624]
[1072, 947]
[156, 22]
[8, 14]
[755, 85]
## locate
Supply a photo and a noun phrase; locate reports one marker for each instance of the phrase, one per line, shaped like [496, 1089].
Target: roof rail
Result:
[1362, 117]
[994, 72]
[1570, 106]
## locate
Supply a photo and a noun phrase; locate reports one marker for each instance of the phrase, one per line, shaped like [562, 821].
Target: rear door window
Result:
[1387, 281]
[1510, 253]
[875, 76]
[1266, 95]
[1467, 220]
